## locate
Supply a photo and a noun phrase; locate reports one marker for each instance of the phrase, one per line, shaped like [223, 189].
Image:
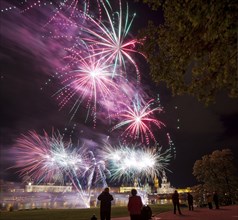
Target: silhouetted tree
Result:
[195, 50]
[217, 172]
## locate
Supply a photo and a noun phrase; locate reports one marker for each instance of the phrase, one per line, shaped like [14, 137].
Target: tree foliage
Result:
[217, 172]
[195, 50]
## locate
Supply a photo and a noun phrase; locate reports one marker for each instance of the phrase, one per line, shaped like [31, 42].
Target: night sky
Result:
[27, 103]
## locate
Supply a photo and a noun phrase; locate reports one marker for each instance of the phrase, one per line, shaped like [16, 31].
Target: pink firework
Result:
[138, 121]
[85, 79]
[43, 158]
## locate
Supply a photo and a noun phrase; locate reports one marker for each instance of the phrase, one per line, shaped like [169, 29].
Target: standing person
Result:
[175, 199]
[105, 206]
[216, 200]
[190, 201]
[209, 201]
[134, 205]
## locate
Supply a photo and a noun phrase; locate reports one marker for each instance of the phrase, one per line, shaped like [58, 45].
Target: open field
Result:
[71, 214]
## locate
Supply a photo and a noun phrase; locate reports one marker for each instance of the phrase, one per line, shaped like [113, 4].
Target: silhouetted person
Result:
[190, 201]
[146, 213]
[134, 205]
[105, 206]
[216, 200]
[175, 199]
[209, 201]
[94, 217]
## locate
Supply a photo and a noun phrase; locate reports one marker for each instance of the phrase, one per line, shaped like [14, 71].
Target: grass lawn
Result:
[71, 214]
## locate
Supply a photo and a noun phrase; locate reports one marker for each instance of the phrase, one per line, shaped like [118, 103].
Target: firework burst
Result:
[86, 79]
[138, 121]
[110, 37]
[132, 162]
[43, 157]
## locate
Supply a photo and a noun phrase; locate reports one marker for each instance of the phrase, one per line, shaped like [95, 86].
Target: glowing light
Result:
[130, 162]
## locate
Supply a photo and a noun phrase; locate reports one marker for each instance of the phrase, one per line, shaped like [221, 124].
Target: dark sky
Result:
[195, 129]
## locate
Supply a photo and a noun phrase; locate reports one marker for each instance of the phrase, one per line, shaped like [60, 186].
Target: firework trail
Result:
[97, 171]
[138, 121]
[133, 162]
[60, 6]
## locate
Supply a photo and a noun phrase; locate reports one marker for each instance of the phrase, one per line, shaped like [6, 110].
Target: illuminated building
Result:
[165, 186]
[47, 188]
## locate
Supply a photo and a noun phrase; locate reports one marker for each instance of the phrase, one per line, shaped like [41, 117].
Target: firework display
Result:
[97, 53]
[93, 56]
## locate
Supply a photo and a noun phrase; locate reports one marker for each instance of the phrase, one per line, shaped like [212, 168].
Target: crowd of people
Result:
[138, 211]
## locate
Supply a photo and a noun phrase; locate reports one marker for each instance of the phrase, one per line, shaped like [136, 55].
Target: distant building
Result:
[165, 186]
[47, 188]
[127, 189]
